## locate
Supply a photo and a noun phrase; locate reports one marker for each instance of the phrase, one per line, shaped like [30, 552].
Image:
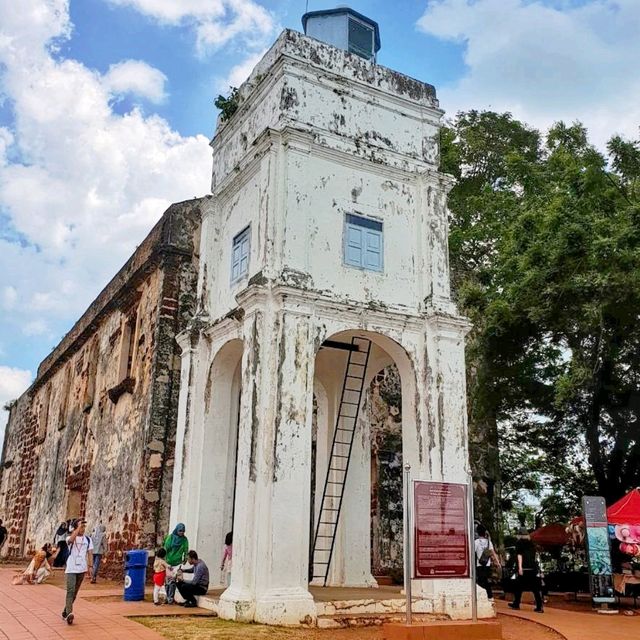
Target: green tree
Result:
[490, 156]
[545, 251]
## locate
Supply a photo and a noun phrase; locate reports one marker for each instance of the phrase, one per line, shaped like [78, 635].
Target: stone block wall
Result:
[94, 435]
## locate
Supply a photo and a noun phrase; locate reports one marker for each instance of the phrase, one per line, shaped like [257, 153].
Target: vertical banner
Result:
[441, 537]
[598, 549]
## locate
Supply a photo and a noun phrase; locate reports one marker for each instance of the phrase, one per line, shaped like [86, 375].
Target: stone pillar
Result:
[271, 532]
[443, 453]
[238, 601]
[283, 597]
[185, 492]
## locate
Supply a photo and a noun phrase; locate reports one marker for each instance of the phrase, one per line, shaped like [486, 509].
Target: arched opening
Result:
[219, 466]
[368, 536]
[384, 404]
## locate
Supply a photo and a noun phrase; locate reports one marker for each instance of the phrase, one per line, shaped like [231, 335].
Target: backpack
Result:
[485, 556]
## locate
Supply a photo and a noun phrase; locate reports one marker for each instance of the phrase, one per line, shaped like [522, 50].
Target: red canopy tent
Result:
[551, 535]
[625, 511]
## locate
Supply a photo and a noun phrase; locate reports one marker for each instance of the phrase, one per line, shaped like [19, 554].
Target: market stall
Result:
[623, 518]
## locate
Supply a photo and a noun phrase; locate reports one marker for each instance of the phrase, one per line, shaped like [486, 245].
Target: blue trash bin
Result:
[135, 573]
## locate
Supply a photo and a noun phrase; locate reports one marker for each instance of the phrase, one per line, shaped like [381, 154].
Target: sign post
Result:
[598, 549]
[407, 540]
[441, 531]
[472, 551]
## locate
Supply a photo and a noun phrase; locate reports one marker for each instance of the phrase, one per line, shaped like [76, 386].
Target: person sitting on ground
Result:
[160, 567]
[176, 546]
[39, 569]
[200, 583]
[527, 571]
[485, 558]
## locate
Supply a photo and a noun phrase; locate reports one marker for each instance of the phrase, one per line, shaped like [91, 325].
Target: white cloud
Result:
[239, 73]
[35, 328]
[138, 78]
[9, 298]
[545, 62]
[12, 384]
[82, 185]
[216, 22]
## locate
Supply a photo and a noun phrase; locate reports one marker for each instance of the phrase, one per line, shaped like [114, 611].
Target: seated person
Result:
[39, 569]
[200, 583]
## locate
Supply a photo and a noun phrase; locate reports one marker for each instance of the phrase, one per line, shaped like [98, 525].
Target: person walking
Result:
[3, 534]
[60, 541]
[527, 571]
[100, 548]
[485, 556]
[200, 583]
[176, 546]
[78, 563]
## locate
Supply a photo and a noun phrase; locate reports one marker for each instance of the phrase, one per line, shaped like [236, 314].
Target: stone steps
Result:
[356, 620]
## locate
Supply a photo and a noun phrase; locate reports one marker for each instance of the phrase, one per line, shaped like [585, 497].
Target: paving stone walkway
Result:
[579, 625]
[32, 612]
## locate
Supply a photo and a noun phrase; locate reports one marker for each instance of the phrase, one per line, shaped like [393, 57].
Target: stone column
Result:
[185, 492]
[271, 531]
[283, 545]
[443, 454]
[238, 601]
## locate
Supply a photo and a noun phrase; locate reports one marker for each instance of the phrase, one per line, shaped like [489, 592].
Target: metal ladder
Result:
[341, 447]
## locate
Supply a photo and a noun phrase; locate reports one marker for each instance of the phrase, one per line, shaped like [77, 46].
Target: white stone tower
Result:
[325, 238]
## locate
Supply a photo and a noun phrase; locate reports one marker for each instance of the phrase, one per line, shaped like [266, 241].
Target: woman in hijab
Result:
[100, 548]
[60, 541]
[177, 547]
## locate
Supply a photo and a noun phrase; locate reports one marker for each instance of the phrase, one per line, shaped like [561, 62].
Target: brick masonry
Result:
[94, 435]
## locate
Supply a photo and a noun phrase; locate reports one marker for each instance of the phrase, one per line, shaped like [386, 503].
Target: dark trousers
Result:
[74, 582]
[528, 581]
[483, 579]
[189, 591]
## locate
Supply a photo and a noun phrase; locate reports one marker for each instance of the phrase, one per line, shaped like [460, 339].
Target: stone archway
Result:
[351, 561]
[219, 446]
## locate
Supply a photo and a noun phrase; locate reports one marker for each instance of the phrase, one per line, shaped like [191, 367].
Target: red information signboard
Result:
[441, 543]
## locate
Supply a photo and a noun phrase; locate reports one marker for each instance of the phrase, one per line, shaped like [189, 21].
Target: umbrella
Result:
[551, 535]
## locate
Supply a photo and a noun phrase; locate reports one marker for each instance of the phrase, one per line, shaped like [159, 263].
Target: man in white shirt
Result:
[78, 563]
[485, 554]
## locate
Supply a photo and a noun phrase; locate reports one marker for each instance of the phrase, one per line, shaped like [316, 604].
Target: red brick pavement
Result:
[579, 625]
[32, 612]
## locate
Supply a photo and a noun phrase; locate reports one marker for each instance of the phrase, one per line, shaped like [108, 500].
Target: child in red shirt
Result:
[160, 567]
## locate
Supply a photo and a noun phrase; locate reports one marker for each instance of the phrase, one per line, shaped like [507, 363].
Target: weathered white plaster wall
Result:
[319, 133]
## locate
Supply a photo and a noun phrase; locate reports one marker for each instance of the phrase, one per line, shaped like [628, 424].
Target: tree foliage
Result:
[545, 244]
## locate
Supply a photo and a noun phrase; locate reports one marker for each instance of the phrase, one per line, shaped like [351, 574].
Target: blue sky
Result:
[106, 109]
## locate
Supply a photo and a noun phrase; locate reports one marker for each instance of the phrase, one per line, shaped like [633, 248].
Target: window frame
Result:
[370, 54]
[364, 224]
[239, 237]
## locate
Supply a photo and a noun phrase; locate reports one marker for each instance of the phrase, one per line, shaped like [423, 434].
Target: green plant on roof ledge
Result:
[229, 105]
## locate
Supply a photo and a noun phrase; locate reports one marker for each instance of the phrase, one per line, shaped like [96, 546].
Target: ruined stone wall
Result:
[385, 411]
[17, 472]
[94, 435]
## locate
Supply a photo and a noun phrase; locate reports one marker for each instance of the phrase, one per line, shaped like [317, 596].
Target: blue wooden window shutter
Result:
[363, 243]
[240, 255]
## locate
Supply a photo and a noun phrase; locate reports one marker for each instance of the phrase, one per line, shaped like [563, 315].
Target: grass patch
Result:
[199, 628]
